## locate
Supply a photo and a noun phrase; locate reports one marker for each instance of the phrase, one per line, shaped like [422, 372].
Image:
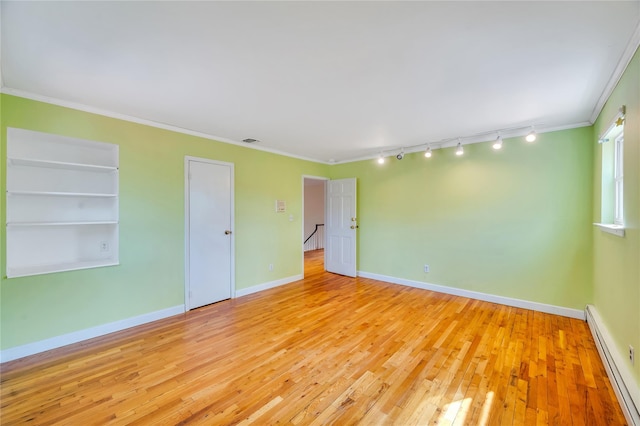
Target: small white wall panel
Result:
[62, 203]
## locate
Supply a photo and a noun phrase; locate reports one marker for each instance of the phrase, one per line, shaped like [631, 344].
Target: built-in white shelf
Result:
[60, 267]
[61, 165]
[62, 203]
[61, 194]
[106, 222]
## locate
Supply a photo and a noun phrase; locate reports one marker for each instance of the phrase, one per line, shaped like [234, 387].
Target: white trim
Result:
[150, 123]
[1, 78]
[268, 285]
[478, 138]
[622, 111]
[314, 177]
[611, 228]
[86, 334]
[187, 285]
[623, 63]
[621, 377]
[518, 303]
[618, 179]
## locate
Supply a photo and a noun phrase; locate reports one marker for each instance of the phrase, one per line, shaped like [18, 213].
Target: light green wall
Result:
[514, 223]
[151, 274]
[617, 260]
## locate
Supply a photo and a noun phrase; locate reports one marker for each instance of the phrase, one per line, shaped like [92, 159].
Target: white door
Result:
[341, 225]
[209, 206]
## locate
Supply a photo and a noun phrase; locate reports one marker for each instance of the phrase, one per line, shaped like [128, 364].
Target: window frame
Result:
[612, 170]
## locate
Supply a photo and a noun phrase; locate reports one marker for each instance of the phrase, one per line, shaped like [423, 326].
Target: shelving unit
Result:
[103, 222]
[60, 165]
[62, 203]
[60, 194]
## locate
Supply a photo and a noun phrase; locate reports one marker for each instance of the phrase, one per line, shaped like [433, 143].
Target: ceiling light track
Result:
[459, 142]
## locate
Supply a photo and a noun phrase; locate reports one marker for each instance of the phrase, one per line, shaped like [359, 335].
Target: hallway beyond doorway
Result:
[313, 262]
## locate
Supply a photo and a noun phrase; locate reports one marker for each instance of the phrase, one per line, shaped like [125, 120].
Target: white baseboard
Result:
[624, 385]
[88, 333]
[267, 286]
[518, 303]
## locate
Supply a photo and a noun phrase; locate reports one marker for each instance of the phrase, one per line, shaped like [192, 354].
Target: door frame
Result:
[324, 213]
[232, 281]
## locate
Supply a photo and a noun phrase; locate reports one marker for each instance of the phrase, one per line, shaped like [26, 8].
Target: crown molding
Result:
[151, 123]
[623, 63]
[445, 143]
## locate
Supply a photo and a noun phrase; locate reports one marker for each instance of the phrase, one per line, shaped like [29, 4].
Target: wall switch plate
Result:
[426, 268]
[271, 266]
[104, 246]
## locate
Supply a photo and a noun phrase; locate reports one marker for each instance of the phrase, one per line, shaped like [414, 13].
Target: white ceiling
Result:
[323, 80]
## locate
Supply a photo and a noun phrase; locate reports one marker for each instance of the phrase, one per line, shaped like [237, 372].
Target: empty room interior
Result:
[320, 212]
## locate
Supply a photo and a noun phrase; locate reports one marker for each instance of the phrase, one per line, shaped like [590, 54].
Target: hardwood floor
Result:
[328, 349]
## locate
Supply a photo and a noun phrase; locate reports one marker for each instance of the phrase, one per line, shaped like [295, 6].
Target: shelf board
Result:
[46, 269]
[61, 165]
[97, 222]
[61, 194]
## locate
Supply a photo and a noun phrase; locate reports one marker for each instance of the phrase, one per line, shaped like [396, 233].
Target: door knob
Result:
[354, 227]
[227, 232]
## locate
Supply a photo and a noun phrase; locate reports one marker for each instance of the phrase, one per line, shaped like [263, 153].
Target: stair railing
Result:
[315, 241]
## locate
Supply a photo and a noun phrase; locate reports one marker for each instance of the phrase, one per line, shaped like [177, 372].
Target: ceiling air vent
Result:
[250, 140]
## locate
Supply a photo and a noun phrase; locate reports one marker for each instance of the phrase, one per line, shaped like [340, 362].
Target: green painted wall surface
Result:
[617, 260]
[514, 223]
[151, 274]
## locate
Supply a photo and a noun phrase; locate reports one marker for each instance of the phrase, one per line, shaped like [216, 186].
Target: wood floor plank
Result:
[324, 350]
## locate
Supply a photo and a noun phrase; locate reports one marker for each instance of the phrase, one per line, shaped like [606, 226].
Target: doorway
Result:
[209, 259]
[313, 224]
[342, 224]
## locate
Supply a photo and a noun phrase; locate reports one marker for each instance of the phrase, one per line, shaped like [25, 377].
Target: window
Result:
[612, 195]
[618, 217]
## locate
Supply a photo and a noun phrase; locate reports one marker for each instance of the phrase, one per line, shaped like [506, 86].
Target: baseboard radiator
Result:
[621, 379]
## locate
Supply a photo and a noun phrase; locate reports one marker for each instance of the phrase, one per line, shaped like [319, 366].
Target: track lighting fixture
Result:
[498, 143]
[531, 136]
[529, 133]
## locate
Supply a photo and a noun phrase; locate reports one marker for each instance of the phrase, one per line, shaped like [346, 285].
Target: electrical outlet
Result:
[632, 355]
[271, 266]
[104, 246]
[426, 268]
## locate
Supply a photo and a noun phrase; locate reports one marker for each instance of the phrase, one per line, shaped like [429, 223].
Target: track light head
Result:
[400, 155]
[498, 143]
[427, 153]
[531, 137]
[459, 149]
[380, 159]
